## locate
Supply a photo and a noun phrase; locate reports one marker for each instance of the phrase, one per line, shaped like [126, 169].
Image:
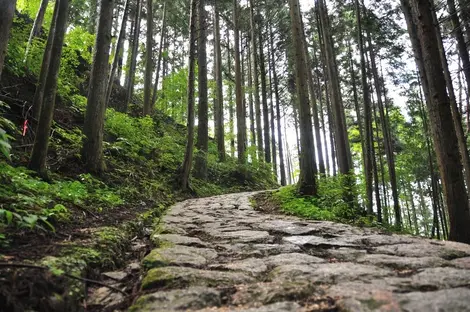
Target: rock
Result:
[243, 236]
[397, 262]
[250, 265]
[463, 263]
[193, 298]
[422, 249]
[133, 266]
[116, 275]
[434, 279]
[179, 255]
[316, 241]
[328, 272]
[266, 293]
[275, 307]
[287, 227]
[448, 300]
[177, 239]
[172, 277]
[104, 296]
[292, 258]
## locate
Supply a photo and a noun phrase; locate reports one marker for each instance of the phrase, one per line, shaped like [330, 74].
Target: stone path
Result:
[218, 254]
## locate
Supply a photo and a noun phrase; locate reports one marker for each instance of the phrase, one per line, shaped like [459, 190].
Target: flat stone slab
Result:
[400, 262]
[313, 241]
[193, 298]
[179, 255]
[175, 277]
[243, 236]
[178, 239]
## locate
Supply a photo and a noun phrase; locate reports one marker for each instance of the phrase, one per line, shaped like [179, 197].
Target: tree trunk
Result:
[188, 156]
[278, 111]
[342, 142]
[262, 68]
[36, 29]
[134, 52]
[148, 104]
[7, 12]
[200, 166]
[118, 53]
[219, 97]
[46, 60]
[38, 157]
[271, 111]
[368, 169]
[160, 51]
[462, 140]
[96, 107]
[254, 63]
[307, 176]
[241, 122]
[413, 209]
[440, 115]
[250, 104]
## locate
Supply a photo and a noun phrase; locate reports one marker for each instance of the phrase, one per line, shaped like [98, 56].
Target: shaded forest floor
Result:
[81, 224]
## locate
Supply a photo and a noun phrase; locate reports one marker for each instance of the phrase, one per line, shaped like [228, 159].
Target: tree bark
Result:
[188, 156]
[241, 122]
[219, 97]
[7, 12]
[96, 107]
[118, 53]
[262, 68]
[46, 60]
[368, 170]
[160, 51]
[36, 29]
[440, 115]
[37, 161]
[200, 166]
[307, 176]
[133, 55]
[278, 111]
[148, 104]
[254, 63]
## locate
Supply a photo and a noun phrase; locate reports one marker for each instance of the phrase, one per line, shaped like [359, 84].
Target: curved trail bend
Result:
[219, 254]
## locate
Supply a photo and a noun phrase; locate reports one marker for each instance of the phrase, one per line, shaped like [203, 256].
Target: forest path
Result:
[219, 254]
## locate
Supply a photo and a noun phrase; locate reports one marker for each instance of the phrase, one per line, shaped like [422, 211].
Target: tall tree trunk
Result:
[457, 118]
[368, 169]
[118, 53]
[262, 69]
[278, 110]
[342, 143]
[219, 97]
[38, 157]
[200, 166]
[307, 179]
[96, 107]
[460, 39]
[188, 156]
[231, 111]
[271, 110]
[160, 52]
[7, 12]
[250, 103]
[241, 122]
[254, 63]
[440, 115]
[148, 104]
[37, 25]
[133, 55]
[413, 209]
[46, 60]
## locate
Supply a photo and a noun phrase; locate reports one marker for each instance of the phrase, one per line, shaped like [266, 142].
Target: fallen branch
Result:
[82, 279]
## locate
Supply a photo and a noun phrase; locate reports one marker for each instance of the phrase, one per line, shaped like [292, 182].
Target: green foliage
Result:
[27, 202]
[5, 138]
[327, 205]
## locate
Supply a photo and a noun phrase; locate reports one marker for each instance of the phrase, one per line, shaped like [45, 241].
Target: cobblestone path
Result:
[219, 254]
